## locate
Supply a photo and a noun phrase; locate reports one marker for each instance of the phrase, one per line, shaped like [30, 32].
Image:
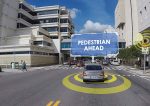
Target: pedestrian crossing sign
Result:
[145, 50]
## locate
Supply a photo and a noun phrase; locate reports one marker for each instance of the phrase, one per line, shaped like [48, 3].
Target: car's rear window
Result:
[93, 67]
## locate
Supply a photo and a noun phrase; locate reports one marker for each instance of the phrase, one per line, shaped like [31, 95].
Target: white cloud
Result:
[73, 12]
[94, 27]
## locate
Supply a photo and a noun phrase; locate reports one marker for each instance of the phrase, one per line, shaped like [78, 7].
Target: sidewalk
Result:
[136, 71]
[19, 70]
[28, 69]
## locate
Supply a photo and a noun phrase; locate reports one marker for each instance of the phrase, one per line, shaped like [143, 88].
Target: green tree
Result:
[129, 53]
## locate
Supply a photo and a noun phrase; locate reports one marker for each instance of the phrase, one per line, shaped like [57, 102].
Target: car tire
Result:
[103, 79]
[84, 80]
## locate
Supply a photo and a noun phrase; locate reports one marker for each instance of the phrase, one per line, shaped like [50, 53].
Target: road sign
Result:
[145, 50]
[100, 44]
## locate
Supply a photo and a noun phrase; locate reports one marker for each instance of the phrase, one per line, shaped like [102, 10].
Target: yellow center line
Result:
[50, 103]
[57, 103]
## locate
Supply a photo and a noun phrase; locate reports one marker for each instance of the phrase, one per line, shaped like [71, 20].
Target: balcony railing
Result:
[20, 20]
[26, 13]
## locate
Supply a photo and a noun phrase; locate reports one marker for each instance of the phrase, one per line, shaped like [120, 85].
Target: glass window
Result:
[53, 20]
[63, 29]
[64, 21]
[65, 45]
[17, 52]
[47, 21]
[93, 67]
[52, 29]
[37, 42]
[122, 44]
[54, 37]
[48, 12]
[41, 21]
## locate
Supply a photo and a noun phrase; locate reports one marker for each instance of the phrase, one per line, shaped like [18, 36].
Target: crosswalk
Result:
[59, 67]
[106, 68]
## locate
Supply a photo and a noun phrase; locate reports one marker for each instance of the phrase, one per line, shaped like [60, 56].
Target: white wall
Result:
[128, 23]
[56, 45]
[18, 40]
[119, 13]
[143, 14]
[126, 12]
[9, 14]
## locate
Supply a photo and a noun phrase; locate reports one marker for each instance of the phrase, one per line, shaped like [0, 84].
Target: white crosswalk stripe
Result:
[63, 67]
[109, 68]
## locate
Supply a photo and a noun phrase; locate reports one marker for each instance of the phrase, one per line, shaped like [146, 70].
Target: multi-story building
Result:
[32, 34]
[121, 40]
[126, 20]
[57, 21]
[144, 19]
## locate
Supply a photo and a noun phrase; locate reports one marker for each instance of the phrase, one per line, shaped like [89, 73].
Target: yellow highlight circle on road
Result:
[113, 79]
[111, 90]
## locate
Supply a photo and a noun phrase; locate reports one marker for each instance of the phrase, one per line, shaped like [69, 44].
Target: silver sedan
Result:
[93, 72]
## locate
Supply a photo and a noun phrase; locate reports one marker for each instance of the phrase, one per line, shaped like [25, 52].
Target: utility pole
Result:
[131, 19]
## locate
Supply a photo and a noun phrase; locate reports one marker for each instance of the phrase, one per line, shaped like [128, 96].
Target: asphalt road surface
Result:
[64, 87]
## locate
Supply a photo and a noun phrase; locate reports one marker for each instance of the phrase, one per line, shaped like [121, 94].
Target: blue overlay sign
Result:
[100, 44]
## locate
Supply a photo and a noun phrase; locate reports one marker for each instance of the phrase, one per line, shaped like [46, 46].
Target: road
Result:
[58, 87]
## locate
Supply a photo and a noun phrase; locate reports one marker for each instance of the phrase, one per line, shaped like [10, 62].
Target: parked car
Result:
[80, 64]
[93, 72]
[65, 63]
[73, 62]
[115, 62]
[105, 62]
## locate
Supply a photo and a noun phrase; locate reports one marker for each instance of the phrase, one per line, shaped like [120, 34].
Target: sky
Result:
[89, 16]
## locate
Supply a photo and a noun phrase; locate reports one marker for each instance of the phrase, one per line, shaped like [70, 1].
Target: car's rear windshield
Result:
[93, 67]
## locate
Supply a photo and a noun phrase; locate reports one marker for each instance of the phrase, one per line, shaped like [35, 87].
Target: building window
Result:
[63, 12]
[63, 29]
[46, 43]
[145, 8]
[21, 6]
[51, 20]
[41, 21]
[141, 12]
[51, 29]
[19, 25]
[47, 21]
[54, 37]
[48, 12]
[37, 43]
[64, 21]
[16, 52]
[65, 45]
[22, 16]
[122, 44]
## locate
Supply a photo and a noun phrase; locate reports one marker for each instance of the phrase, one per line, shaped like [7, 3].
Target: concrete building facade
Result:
[57, 21]
[144, 15]
[144, 20]
[32, 34]
[8, 18]
[126, 20]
